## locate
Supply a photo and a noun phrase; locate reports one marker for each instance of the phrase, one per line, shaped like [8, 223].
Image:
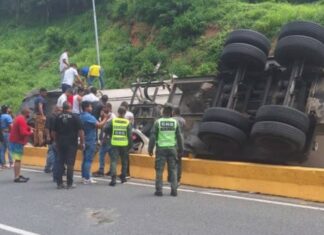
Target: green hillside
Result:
[186, 35]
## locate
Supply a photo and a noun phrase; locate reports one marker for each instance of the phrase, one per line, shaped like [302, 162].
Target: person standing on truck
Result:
[167, 138]
[19, 134]
[105, 143]
[95, 73]
[69, 77]
[182, 124]
[67, 129]
[5, 128]
[84, 71]
[90, 125]
[63, 63]
[40, 118]
[120, 130]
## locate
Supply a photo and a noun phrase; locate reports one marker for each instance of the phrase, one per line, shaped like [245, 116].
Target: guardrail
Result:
[287, 181]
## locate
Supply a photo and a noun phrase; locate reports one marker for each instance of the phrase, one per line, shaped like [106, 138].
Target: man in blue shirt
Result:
[5, 126]
[90, 125]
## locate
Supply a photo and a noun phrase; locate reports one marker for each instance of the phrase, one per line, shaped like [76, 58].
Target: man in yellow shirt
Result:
[95, 72]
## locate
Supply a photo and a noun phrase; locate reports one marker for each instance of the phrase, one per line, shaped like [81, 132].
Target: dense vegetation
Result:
[186, 35]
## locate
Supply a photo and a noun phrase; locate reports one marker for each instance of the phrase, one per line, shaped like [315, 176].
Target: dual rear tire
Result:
[245, 47]
[301, 41]
[280, 130]
[224, 129]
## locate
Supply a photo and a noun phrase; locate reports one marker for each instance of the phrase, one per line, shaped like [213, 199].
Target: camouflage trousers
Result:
[117, 152]
[39, 134]
[168, 156]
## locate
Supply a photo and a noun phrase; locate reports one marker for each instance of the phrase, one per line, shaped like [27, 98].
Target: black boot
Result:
[123, 179]
[174, 193]
[113, 181]
[158, 193]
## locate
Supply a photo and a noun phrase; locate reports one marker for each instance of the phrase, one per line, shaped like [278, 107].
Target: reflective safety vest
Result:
[167, 133]
[119, 136]
[94, 71]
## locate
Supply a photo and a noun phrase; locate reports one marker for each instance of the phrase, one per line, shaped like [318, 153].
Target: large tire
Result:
[237, 54]
[303, 48]
[277, 137]
[249, 37]
[304, 28]
[228, 116]
[221, 134]
[284, 114]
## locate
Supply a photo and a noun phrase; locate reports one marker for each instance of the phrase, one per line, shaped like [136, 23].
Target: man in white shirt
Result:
[69, 76]
[63, 98]
[91, 96]
[129, 115]
[63, 63]
[77, 100]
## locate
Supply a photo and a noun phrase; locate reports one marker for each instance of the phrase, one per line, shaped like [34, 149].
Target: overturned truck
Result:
[260, 107]
[264, 105]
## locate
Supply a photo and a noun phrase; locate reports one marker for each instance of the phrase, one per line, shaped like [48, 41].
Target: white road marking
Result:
[213, 193]
[264, 201]
[15, 230]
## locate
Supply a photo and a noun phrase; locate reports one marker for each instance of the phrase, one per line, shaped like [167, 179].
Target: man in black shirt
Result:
[67, 129]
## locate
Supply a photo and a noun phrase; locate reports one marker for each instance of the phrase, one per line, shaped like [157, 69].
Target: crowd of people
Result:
[80, 120]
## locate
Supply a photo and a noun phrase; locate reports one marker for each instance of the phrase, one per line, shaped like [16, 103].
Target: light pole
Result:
[96, 30]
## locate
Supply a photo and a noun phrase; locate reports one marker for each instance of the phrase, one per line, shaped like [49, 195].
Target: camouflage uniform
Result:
[166, 154]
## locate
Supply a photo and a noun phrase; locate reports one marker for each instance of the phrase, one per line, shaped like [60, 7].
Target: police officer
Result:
[119, 129]
[166, 135]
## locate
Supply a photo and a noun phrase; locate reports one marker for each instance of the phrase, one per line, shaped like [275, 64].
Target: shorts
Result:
[65, 87]
[17, 151]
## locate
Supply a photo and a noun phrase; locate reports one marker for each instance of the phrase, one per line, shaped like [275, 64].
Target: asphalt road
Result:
[39, 208]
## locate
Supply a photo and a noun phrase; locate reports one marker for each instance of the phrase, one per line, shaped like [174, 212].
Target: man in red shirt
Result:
[19, 134]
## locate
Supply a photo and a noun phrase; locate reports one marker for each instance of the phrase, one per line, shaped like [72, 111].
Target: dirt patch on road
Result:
[102, 216]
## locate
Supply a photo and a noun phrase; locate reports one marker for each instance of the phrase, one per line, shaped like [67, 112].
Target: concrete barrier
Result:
[287, 181]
